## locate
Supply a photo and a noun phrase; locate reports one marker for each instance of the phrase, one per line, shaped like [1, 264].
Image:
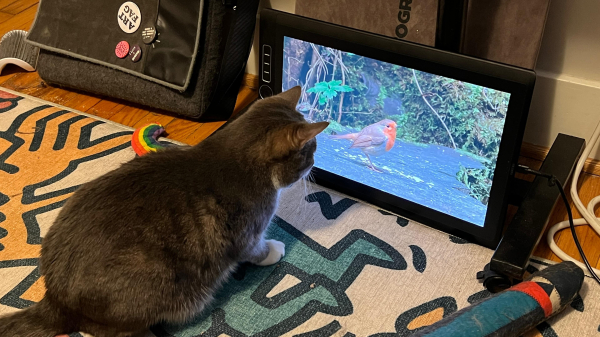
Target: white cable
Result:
[589, 217]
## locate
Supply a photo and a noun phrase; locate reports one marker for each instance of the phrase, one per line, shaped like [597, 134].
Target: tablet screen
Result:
[429, 139]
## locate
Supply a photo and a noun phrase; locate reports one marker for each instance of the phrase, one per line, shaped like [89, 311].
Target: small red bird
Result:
[374, 140]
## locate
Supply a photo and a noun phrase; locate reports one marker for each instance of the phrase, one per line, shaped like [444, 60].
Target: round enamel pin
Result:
[129, 17]
[149, 34]
[135, 54]
[122, 49]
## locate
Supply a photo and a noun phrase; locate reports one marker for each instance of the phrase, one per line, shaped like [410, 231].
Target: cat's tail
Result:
[40, 320]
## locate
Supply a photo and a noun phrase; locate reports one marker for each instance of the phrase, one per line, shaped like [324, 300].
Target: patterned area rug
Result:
[349, 270]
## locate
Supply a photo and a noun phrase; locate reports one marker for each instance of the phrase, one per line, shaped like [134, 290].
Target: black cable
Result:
[552, 180]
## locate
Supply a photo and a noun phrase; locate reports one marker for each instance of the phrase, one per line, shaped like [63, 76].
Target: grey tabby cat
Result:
[152, 241]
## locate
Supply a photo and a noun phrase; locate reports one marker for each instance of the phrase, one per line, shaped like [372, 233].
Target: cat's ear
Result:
[294, 137]
[307, 131]
[292, 96]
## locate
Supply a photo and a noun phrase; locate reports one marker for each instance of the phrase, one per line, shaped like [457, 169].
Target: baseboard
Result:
[563, 104]
[591, 166]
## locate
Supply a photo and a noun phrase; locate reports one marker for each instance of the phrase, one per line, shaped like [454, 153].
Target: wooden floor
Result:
[19, 14]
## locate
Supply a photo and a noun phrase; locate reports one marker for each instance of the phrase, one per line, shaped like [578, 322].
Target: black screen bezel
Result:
[516, 81]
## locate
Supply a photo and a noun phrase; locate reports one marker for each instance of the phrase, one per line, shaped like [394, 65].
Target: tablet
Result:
[430, 135]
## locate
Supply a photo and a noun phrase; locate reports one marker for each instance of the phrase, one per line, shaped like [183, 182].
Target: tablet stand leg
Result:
[510, 260]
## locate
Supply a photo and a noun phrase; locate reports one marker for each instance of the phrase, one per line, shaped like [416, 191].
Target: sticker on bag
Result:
[129, 17]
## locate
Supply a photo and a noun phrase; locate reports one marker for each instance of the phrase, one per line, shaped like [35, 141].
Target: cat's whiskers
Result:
[307, 181]
[300, 184]
[310, 183]
[305, 194]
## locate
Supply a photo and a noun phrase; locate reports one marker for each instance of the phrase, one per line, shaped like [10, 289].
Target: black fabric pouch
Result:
[194, 66]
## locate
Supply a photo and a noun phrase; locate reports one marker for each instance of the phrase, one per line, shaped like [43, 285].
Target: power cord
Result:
[553, 181]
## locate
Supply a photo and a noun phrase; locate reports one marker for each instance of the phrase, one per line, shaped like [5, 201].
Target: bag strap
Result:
[240, 21]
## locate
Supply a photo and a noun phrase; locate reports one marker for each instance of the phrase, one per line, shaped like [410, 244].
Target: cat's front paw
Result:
[276, 252]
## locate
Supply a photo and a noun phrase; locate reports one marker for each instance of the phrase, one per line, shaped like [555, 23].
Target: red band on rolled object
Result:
[139, 150]
[537, 293]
